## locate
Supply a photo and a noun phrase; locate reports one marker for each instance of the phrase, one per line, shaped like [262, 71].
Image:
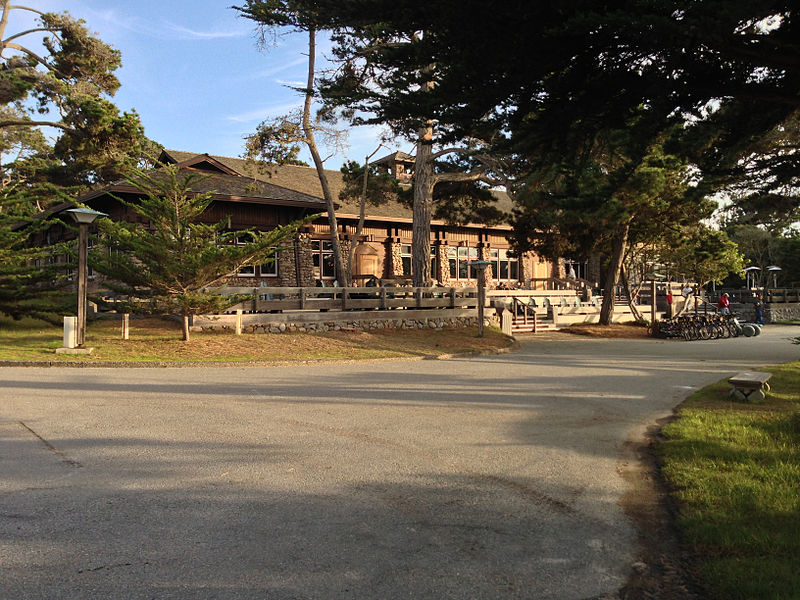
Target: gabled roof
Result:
[305, 180]
[225, 183]
[200, 162]
[393, 158]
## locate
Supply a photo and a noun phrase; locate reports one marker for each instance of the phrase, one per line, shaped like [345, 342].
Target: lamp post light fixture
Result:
[83, 217]
[750, 276]
[480, 266]
[774, 270]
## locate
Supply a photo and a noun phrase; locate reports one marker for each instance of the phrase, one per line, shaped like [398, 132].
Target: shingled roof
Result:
[226, 184]
[305, 180]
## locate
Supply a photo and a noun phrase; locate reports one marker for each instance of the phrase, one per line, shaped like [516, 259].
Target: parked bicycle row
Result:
[703, 327]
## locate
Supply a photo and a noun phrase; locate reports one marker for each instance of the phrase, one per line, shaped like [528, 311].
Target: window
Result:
[269, 269]
[405, 258]
[505, 268]
[247, 270]
[89, 248]
[69, 271]
[323, 258]
[458, 260]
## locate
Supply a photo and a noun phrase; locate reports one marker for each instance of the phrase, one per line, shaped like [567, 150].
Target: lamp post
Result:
[654, 277]
[750, 276]
[83, 217]
[480, 266]
[774, 270]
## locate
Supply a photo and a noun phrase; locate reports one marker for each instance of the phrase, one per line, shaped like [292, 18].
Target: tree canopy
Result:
[561, 85]
[31, 278]
[66, 86]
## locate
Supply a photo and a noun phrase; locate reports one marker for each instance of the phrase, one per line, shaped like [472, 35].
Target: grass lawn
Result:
[735, 473]
[154, 339]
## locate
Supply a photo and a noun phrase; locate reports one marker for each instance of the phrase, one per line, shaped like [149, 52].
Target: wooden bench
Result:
[749, 383]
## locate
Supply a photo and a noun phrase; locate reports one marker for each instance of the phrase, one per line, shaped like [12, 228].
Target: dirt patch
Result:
[615, 330]
[662, 570]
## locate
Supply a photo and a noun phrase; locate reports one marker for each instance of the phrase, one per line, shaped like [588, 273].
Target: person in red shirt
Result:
[724, 304]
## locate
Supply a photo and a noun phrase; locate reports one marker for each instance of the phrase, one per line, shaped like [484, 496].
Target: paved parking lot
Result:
[489, 477]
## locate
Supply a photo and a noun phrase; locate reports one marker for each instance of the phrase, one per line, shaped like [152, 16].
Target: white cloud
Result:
[261, 114]
[187, 33]
[274, 70]
[162, 30]
[291, 84]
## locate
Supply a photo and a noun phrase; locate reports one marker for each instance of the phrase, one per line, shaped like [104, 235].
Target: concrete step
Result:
[541, 326]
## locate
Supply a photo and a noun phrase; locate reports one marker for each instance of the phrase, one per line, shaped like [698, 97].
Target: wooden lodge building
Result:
[286, 193]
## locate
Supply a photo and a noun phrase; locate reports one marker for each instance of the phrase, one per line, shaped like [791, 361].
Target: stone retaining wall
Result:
[782, 311]
[337, 320]
[773, 312]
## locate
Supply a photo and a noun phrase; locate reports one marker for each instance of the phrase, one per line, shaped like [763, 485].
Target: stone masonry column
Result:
[442, 265]
[395, 259]
[305, 259]
[527, 269]
[485, 253]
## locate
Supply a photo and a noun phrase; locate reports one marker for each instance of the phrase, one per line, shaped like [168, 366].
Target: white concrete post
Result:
[505, 322]
[126, 326]
[239, 322]
[70, 332]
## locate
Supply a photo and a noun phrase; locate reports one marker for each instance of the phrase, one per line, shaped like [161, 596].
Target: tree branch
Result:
[28, 123]
[38, 58]
[20, 7]
[16, 35]
[446, 151]
[462, 177]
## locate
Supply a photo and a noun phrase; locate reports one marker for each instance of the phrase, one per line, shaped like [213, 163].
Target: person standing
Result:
[759, 306]
[724, 304]
[687, 293]
[669, 301]
[571, 272]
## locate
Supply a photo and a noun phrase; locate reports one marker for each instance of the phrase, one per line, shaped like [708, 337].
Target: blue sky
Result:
[193, 72]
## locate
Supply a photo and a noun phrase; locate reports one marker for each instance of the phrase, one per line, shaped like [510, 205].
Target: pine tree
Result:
[66, 85]
[173, 265]
[31, 279]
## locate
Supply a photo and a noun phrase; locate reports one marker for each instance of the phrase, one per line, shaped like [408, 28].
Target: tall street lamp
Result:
[83, 217]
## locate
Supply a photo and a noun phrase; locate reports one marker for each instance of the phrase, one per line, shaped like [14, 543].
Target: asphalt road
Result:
[489, 477]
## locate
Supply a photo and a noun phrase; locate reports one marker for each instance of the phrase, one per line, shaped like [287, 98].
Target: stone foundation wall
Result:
[774, 312]
[783, 311]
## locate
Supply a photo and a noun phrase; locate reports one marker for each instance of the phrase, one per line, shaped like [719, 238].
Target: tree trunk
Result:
[612, 274]
[637, 315]
[308, 131]
[185, 328]
[423, 199]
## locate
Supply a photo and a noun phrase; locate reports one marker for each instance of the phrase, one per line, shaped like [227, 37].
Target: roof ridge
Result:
[242, 159]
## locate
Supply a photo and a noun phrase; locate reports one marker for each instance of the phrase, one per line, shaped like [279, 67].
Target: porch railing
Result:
[353, 298]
